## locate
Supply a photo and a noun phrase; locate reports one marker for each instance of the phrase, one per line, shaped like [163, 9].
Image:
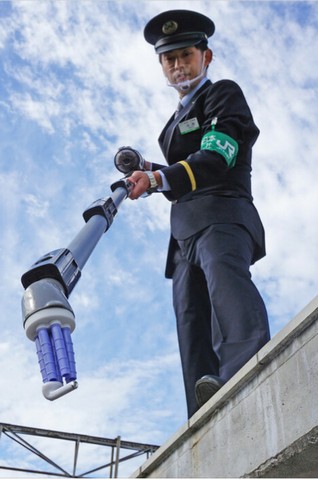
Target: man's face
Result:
[184, 64]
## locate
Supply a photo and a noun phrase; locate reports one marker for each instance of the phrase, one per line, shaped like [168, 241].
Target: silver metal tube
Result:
[86, 240]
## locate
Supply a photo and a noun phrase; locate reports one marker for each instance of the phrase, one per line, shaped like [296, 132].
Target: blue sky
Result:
[77, 81]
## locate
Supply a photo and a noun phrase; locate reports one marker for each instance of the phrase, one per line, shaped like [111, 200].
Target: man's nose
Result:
[178, 63]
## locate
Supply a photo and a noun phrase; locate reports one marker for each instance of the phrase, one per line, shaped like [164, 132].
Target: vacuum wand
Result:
[48, 318]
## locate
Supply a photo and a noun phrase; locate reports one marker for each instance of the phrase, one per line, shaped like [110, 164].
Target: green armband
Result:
[222, 144]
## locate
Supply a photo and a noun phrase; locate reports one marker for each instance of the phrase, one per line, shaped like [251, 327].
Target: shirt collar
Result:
[187, 98]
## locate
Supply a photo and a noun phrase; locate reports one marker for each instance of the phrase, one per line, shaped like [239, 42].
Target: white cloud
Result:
[78, 81]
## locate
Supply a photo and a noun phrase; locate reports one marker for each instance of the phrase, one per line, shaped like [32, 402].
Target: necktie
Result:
[179, 107]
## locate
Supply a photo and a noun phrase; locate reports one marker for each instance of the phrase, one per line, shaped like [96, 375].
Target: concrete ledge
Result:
[299, 460]
[263, 422]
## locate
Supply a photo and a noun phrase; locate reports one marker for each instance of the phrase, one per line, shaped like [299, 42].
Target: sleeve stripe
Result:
[190, 174]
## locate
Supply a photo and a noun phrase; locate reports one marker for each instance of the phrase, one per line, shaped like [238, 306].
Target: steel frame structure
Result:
[16, 433]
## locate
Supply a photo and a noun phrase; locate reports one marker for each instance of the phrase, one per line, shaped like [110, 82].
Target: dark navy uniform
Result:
[216, 232]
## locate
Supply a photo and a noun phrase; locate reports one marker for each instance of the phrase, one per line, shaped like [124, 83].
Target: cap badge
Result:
[169, 27]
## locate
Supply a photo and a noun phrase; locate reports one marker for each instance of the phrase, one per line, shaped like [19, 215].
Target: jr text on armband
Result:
[222, 144]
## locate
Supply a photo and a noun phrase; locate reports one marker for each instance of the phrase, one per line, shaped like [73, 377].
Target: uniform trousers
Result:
[221, 317]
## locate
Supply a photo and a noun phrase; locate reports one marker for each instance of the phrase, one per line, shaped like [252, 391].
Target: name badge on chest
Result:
[189, 125]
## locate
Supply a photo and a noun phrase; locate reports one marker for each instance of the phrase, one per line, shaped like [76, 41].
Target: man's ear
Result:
[208, 56]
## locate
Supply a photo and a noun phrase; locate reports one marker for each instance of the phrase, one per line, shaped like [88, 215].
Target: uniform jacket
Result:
[204, 189]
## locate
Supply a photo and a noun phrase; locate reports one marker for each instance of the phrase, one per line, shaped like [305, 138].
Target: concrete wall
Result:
[262, 423]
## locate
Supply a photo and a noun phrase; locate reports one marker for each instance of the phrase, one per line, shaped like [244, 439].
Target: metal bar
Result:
[77, 444]
[111, 463]
[36, 452]
[90, 439]
[123, 459]
[26, 470]
[86, 240]
[117, 456]
[11, 431]
[118, 196]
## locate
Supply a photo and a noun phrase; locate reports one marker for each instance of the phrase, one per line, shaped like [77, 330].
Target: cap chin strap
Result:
[185, 86]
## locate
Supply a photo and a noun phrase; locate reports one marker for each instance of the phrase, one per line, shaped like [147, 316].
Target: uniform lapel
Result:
[167, 133]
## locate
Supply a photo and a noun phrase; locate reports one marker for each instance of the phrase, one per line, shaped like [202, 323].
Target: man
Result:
[216, 233]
